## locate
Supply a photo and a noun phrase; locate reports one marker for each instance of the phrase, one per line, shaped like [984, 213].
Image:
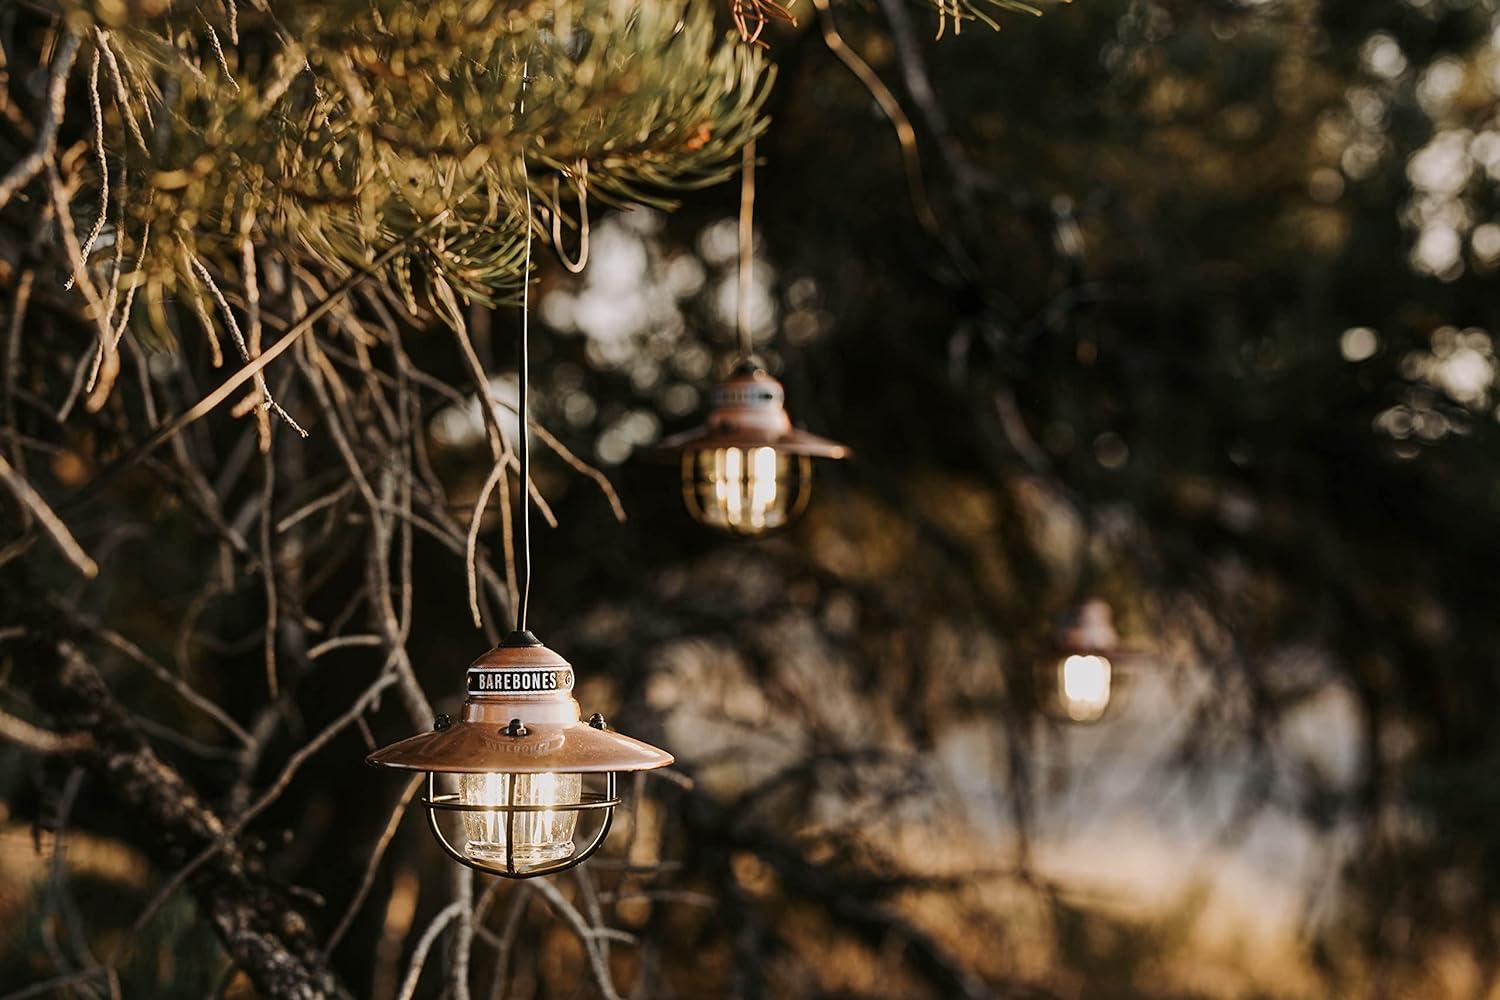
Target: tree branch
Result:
[259, 928]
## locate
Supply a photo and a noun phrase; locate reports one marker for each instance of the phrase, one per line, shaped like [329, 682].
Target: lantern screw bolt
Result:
[441, 722]
[515, 730]
[597, 721]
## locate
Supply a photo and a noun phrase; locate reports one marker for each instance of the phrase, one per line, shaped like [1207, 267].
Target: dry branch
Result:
[258, 926]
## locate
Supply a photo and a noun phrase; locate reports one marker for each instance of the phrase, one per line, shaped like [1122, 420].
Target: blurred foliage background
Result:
[1191, 310]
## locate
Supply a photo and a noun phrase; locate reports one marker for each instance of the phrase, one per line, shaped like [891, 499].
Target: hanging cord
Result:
[747, 240]
[523, 390]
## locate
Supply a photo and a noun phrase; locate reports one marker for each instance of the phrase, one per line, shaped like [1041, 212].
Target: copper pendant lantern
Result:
[510, 780]
[747, 470]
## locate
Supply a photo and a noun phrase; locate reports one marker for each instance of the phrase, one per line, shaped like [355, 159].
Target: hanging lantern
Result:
[518, 777]
[747, 470]
[512, 781]
[1080, 679]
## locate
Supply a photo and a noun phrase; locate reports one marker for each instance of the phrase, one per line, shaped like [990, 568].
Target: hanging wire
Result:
[747, 239]
[523, 390]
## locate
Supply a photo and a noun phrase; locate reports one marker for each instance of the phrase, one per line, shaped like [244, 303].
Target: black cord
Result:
[523, 361]
[523, 569]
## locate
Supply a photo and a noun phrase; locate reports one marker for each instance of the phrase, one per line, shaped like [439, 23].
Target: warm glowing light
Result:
[1083, 683]
[744, 490]
[540, 837]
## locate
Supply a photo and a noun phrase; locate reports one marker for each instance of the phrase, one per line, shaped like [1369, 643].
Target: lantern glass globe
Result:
[1083, 686]
[540, 836]
[745, 491]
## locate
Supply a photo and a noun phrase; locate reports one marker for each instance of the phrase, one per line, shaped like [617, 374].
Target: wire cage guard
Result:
[437, 803]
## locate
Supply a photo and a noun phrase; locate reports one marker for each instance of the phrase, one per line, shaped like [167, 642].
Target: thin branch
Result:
[497, 472]
[233, 830]
[424, 945]
[46, 141]
[392, 823]
[227, 388]
[103, 161]
[188, 693]
[586, 936]
[33, 502]
[39, 740]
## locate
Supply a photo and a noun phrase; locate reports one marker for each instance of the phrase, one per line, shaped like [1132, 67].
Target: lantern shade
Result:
[472, 747]
[746, 411]
[711, 437]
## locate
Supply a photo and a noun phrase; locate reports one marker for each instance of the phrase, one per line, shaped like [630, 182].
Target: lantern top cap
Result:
[749, 366]
[518, 655]
[520, 637]
[1091, 628]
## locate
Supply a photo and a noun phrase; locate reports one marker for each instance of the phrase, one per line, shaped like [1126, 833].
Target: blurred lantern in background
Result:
[513, 768]
[747, 470]
[1080, 679]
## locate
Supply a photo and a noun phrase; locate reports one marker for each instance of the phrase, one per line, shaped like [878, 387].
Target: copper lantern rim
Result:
[709, 438]
[484, 747]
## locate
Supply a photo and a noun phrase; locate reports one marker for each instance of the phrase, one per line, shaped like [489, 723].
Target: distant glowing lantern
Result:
[508, 781]
[1083, 684]
[1079, 680]
[747, 470]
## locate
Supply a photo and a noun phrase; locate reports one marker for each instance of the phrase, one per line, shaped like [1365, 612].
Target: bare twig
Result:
[191, 696]
[586, 936]
[392, 823]
[33, 502]
[497, 472]
[233, 830]
[208, 403]
[36, 161]
[505, 941]
[39, 740]
[102, 160]
[424, 945]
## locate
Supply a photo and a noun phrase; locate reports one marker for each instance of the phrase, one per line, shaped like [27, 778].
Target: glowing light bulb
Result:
[762, 482]
[743, 490]
[1083, 686]
[541, 836]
